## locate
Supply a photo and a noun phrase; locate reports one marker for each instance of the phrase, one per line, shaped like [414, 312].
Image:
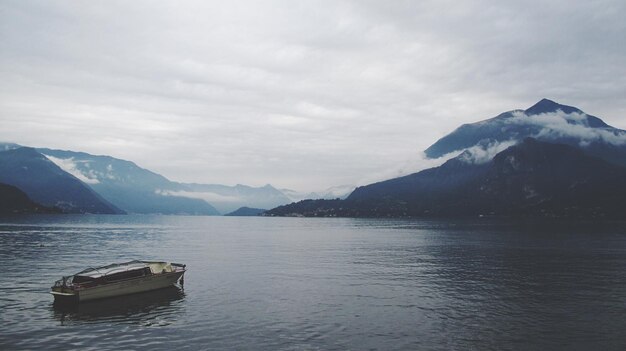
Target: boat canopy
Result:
[112, 269]
[119, 271]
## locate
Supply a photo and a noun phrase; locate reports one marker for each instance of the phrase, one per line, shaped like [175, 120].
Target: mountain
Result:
[532, 178]
[544, 121]
[295, 195]
[47, 184]
[555, 179]
[13, 200]
[229, 198]
[138, 190]
[132, 188]
[335, 192]
[246, 212]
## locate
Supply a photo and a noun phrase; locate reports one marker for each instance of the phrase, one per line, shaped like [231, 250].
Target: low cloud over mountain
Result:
[532, 178]
[547, 121]
[138, 190]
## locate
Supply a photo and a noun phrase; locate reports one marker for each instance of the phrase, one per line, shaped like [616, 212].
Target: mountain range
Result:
[46, 183]
[132, 188]
[229, 198]
[335, 192]
[549, 160]
[120, 185]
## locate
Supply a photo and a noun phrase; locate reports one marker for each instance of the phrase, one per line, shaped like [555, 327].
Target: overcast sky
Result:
[300, 94]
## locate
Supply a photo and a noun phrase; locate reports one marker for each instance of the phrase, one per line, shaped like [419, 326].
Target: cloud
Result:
[304, 95]
[568, 125]
[479, 154]
[70, 166]
[552, 125]
[476, 154]
[416, 163]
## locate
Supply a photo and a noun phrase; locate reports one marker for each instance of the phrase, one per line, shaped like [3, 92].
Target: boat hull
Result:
[131, 286]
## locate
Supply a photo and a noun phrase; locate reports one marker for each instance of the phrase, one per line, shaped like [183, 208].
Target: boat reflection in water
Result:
[159, 307]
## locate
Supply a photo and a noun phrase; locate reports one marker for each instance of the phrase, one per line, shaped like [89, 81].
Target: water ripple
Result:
[320, 284]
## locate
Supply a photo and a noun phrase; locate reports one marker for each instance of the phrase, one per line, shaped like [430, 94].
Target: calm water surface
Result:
[321, 284]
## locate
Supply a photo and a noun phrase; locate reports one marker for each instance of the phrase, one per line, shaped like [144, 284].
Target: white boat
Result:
[117, 279]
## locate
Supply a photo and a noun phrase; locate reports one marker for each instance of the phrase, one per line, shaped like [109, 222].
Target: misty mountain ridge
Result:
[532, 178]
[544, 121]
[229, 198]
[335, 192]
[46, 183]
[132, 188]
[139, 190]
[110, 185]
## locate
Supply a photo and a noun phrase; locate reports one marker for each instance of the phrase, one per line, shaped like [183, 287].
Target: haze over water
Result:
[321, 284]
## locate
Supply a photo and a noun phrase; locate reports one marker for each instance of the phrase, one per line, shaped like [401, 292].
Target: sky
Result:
[303, 95]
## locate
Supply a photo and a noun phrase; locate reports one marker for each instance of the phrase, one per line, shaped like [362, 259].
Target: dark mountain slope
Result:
[538, 178]
[530, 179]
[13, 200]
[46, 183]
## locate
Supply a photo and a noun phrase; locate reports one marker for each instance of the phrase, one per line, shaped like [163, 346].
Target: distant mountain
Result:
[49, 185]
[544, 121]
[336, 192]
[246, 211]
[13, 200]
[532, 178]
[229, 198]
[294, 195]
[138, 190]
[132, 188]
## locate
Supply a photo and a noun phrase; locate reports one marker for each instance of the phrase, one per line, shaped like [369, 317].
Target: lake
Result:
[257, 283]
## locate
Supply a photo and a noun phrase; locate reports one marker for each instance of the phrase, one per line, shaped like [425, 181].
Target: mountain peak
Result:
[547, 106]
[569, 126]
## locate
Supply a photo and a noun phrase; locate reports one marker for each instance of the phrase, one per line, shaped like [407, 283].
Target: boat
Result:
[117, 279]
